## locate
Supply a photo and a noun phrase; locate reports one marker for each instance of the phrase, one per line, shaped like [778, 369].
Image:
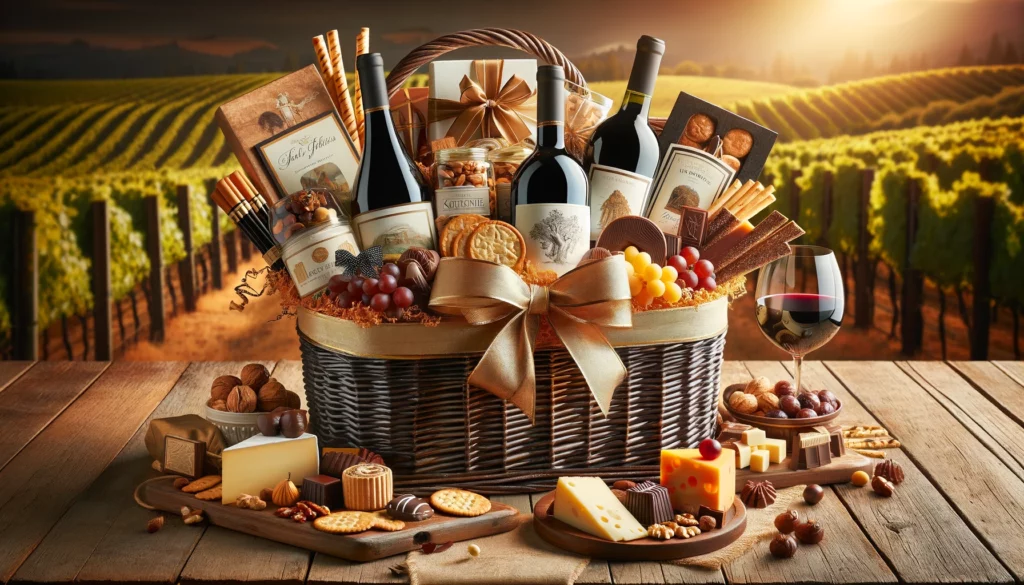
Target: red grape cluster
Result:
[694, 273]
[381, 294]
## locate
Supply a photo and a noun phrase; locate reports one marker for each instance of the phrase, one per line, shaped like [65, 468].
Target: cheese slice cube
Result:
[262, 462]
[760, 460]
[586, 503]
[754, 437]
[742, 454]
[776, 448]
[693, 481]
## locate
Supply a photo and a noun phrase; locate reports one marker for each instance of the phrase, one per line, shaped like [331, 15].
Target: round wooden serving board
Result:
[566, 537]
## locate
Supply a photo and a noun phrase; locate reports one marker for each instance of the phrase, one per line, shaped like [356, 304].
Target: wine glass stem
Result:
[798, 363]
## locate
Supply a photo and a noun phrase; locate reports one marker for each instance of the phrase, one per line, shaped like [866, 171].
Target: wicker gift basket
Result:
[402, 390]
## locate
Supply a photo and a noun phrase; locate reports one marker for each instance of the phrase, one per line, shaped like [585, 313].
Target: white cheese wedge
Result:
[586, 503]
[262, 462]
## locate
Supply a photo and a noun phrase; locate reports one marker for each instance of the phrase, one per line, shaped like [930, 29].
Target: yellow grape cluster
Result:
[649, 281]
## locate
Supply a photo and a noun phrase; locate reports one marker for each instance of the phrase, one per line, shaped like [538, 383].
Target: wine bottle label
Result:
[462, 200]
[688, 178]
[615, 193]
[503, 203]
[397, 228]
[310, 258]
[556, 234]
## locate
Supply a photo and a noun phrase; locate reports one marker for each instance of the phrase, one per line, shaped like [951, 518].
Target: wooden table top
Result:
[72, 450]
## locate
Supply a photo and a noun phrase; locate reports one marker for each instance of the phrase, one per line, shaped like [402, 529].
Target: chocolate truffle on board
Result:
[409, 508]
[324, 490]
[649, 503]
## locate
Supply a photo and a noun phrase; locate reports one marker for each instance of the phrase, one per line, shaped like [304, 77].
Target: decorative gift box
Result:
[409, 113]
[486, 98]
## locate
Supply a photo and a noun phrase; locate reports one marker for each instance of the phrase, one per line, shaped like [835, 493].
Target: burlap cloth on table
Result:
[521, 557]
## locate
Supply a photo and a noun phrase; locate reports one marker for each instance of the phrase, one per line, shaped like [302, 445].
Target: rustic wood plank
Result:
[38, 397]
[918, 532]
[947, 452]
[106, 521]
[12, 370]
[39, 484]
[227, 556]
[978, 414]
[1014, 370]
[998, 383]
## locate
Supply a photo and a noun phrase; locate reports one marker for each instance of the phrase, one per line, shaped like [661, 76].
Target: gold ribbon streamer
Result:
[577, 305]
[487, 106]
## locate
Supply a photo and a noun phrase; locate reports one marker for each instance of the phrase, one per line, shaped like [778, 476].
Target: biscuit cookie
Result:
[460, 502]
[732, 161]
[687, 142]
[459, 245]
[344, 522]
[699, 128]
[382, 521]
[737, 142]
[210, 494]
[454, 226]
[203, 483]
[498, 242]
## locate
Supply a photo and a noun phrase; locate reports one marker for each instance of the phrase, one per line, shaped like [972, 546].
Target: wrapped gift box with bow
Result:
[487, 98]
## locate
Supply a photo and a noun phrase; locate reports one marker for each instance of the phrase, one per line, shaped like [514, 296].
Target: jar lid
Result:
[461, 153]
[515, 154]
[316, 233]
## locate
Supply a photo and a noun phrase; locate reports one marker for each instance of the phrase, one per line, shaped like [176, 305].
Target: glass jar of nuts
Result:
[465, 182]
[505, 162]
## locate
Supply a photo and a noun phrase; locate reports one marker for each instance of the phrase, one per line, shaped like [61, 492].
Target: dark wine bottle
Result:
[549, 191]
[622, 154]
[392, 206]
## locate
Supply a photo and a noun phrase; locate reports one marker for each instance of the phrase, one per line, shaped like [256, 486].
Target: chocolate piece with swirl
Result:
[649, 503]
[409, 508]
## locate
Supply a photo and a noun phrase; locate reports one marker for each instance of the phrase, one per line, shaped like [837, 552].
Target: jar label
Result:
[556, 234]
[615, 193]
[397, 228]
[312, 264]
[503, 203]
[688, 178]
[462, 200]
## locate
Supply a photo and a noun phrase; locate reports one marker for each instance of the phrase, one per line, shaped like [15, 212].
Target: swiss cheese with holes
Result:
[586, 503]
[693, 481]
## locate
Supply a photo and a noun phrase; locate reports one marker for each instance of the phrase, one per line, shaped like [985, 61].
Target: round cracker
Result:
[498, 242]
[202, 484]
[382, 521]
[699, 128]
[454, 226]
[737, 142]
[460, 503]
[344, 522]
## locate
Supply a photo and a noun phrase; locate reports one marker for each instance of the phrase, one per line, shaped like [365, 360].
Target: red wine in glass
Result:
[800, 302]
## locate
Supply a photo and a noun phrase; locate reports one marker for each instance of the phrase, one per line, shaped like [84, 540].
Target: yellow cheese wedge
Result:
[261, 462]
[693, 481]
[776, 448]
[759, 460]
[586, 503]
[754, 437]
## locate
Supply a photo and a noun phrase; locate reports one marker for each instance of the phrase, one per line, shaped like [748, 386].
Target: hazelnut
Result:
[783, 546]
[882, 486]
[294, 400]
[620, 495]
[271, 395]
[813, 494]
[707, 524]
[155, 524]
[241, 399]
[809, 532]
[222, 386]
[624, 484]
[786, 522]
[220, 405]
[255, 376]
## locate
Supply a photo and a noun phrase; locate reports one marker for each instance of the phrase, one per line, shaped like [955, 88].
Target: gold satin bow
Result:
[487, 106]
[577, 305]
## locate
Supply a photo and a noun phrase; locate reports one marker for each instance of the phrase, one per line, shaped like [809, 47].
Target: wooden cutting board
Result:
[782, 476]
[365, 546]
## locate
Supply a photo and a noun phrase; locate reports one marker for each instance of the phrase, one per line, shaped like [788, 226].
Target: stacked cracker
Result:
[733, 244]
[332, 69]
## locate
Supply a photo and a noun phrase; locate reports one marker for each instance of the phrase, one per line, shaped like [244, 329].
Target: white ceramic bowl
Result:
[235, 426]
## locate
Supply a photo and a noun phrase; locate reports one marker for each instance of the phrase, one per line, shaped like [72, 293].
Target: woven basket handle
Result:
[481, 37]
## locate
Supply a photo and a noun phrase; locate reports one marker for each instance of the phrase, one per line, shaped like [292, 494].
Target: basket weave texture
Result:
[435, 430]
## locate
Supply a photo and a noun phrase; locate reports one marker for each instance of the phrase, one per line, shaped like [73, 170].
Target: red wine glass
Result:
[800, 302]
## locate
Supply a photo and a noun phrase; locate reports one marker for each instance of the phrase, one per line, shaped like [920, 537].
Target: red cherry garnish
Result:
[710, 449]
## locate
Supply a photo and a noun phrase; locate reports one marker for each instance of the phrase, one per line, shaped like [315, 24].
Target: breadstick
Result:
[323, 59]
[756, 204]
[728, 194]
[871, 453]
[362, 48]
[875, 443]
[865, 431]
[723, 203]
[342, 100]
[751, 194]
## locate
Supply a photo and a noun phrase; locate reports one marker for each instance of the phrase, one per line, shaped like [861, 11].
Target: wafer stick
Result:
[755, 258]
[729, 194]
[323, 59]
[755, 249]
[871, 453]
[744, 198]
[343, 100]
[362, 48]
[761, 231]
[723, 224]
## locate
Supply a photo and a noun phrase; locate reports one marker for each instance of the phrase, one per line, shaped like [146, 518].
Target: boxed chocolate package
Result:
[696, 123]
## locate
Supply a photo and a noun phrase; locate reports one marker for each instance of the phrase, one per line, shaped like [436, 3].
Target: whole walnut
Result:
[271, 395]
[743, 403]
[255, 376]
[223, 385]
[767, 401]
[241, 399]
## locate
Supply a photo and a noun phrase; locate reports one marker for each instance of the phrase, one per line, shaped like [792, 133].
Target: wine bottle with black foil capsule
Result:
[622, 154]
[392, 207]
[549, 191]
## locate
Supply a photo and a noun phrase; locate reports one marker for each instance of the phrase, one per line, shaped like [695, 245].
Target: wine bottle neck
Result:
[550, 135]
[636, 104]
[642, 76]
